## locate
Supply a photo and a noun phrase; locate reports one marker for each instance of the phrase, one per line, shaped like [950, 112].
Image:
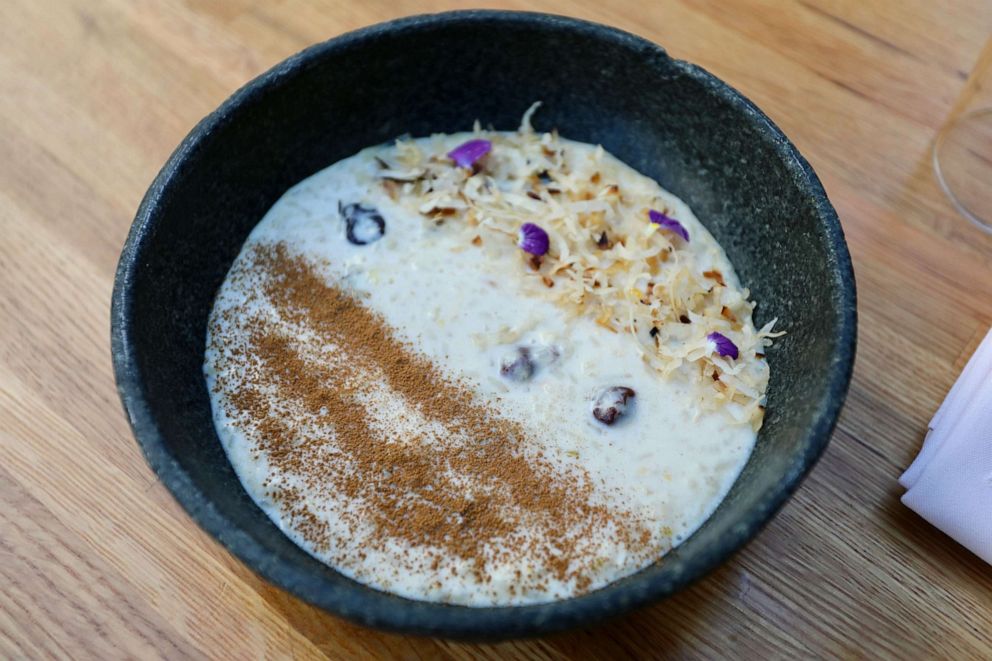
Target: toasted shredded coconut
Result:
[606, 260]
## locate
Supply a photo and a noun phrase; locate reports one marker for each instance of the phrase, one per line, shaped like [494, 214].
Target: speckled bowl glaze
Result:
[669, 119]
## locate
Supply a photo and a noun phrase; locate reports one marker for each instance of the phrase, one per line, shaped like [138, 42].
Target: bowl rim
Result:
[380, 610]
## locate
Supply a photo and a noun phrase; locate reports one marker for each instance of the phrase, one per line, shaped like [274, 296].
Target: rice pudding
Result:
[486, 369]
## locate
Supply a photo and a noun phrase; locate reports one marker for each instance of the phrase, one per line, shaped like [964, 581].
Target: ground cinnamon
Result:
[479, 490]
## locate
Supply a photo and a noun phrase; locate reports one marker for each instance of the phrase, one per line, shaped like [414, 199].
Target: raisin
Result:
[518, 366]
[611, 404]
[363, 225]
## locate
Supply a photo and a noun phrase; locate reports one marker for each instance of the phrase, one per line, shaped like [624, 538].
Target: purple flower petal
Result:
[668, 223]
[466, 154]
[533, 239]
[724, 346]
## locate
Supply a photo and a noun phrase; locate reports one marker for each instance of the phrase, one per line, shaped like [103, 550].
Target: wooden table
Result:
[98, 561]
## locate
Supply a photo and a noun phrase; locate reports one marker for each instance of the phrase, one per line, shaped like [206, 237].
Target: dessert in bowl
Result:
[488, 383]
[487, 369]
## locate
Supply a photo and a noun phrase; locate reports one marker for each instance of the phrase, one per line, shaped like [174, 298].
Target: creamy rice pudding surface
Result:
[485, 369]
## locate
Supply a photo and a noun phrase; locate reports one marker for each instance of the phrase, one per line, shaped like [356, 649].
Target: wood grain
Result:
[97, 561]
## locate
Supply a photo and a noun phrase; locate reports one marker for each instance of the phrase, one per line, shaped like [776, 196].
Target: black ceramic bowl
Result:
[667, 118]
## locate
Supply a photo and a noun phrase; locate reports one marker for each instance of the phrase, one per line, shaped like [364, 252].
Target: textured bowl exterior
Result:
[437, 73]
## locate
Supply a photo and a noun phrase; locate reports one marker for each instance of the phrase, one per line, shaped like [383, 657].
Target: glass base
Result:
[962, 161]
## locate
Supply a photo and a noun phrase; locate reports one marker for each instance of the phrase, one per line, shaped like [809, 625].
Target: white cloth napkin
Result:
[950, 482]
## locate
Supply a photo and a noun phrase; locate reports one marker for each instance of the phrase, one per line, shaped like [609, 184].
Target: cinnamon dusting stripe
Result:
[482, 491]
